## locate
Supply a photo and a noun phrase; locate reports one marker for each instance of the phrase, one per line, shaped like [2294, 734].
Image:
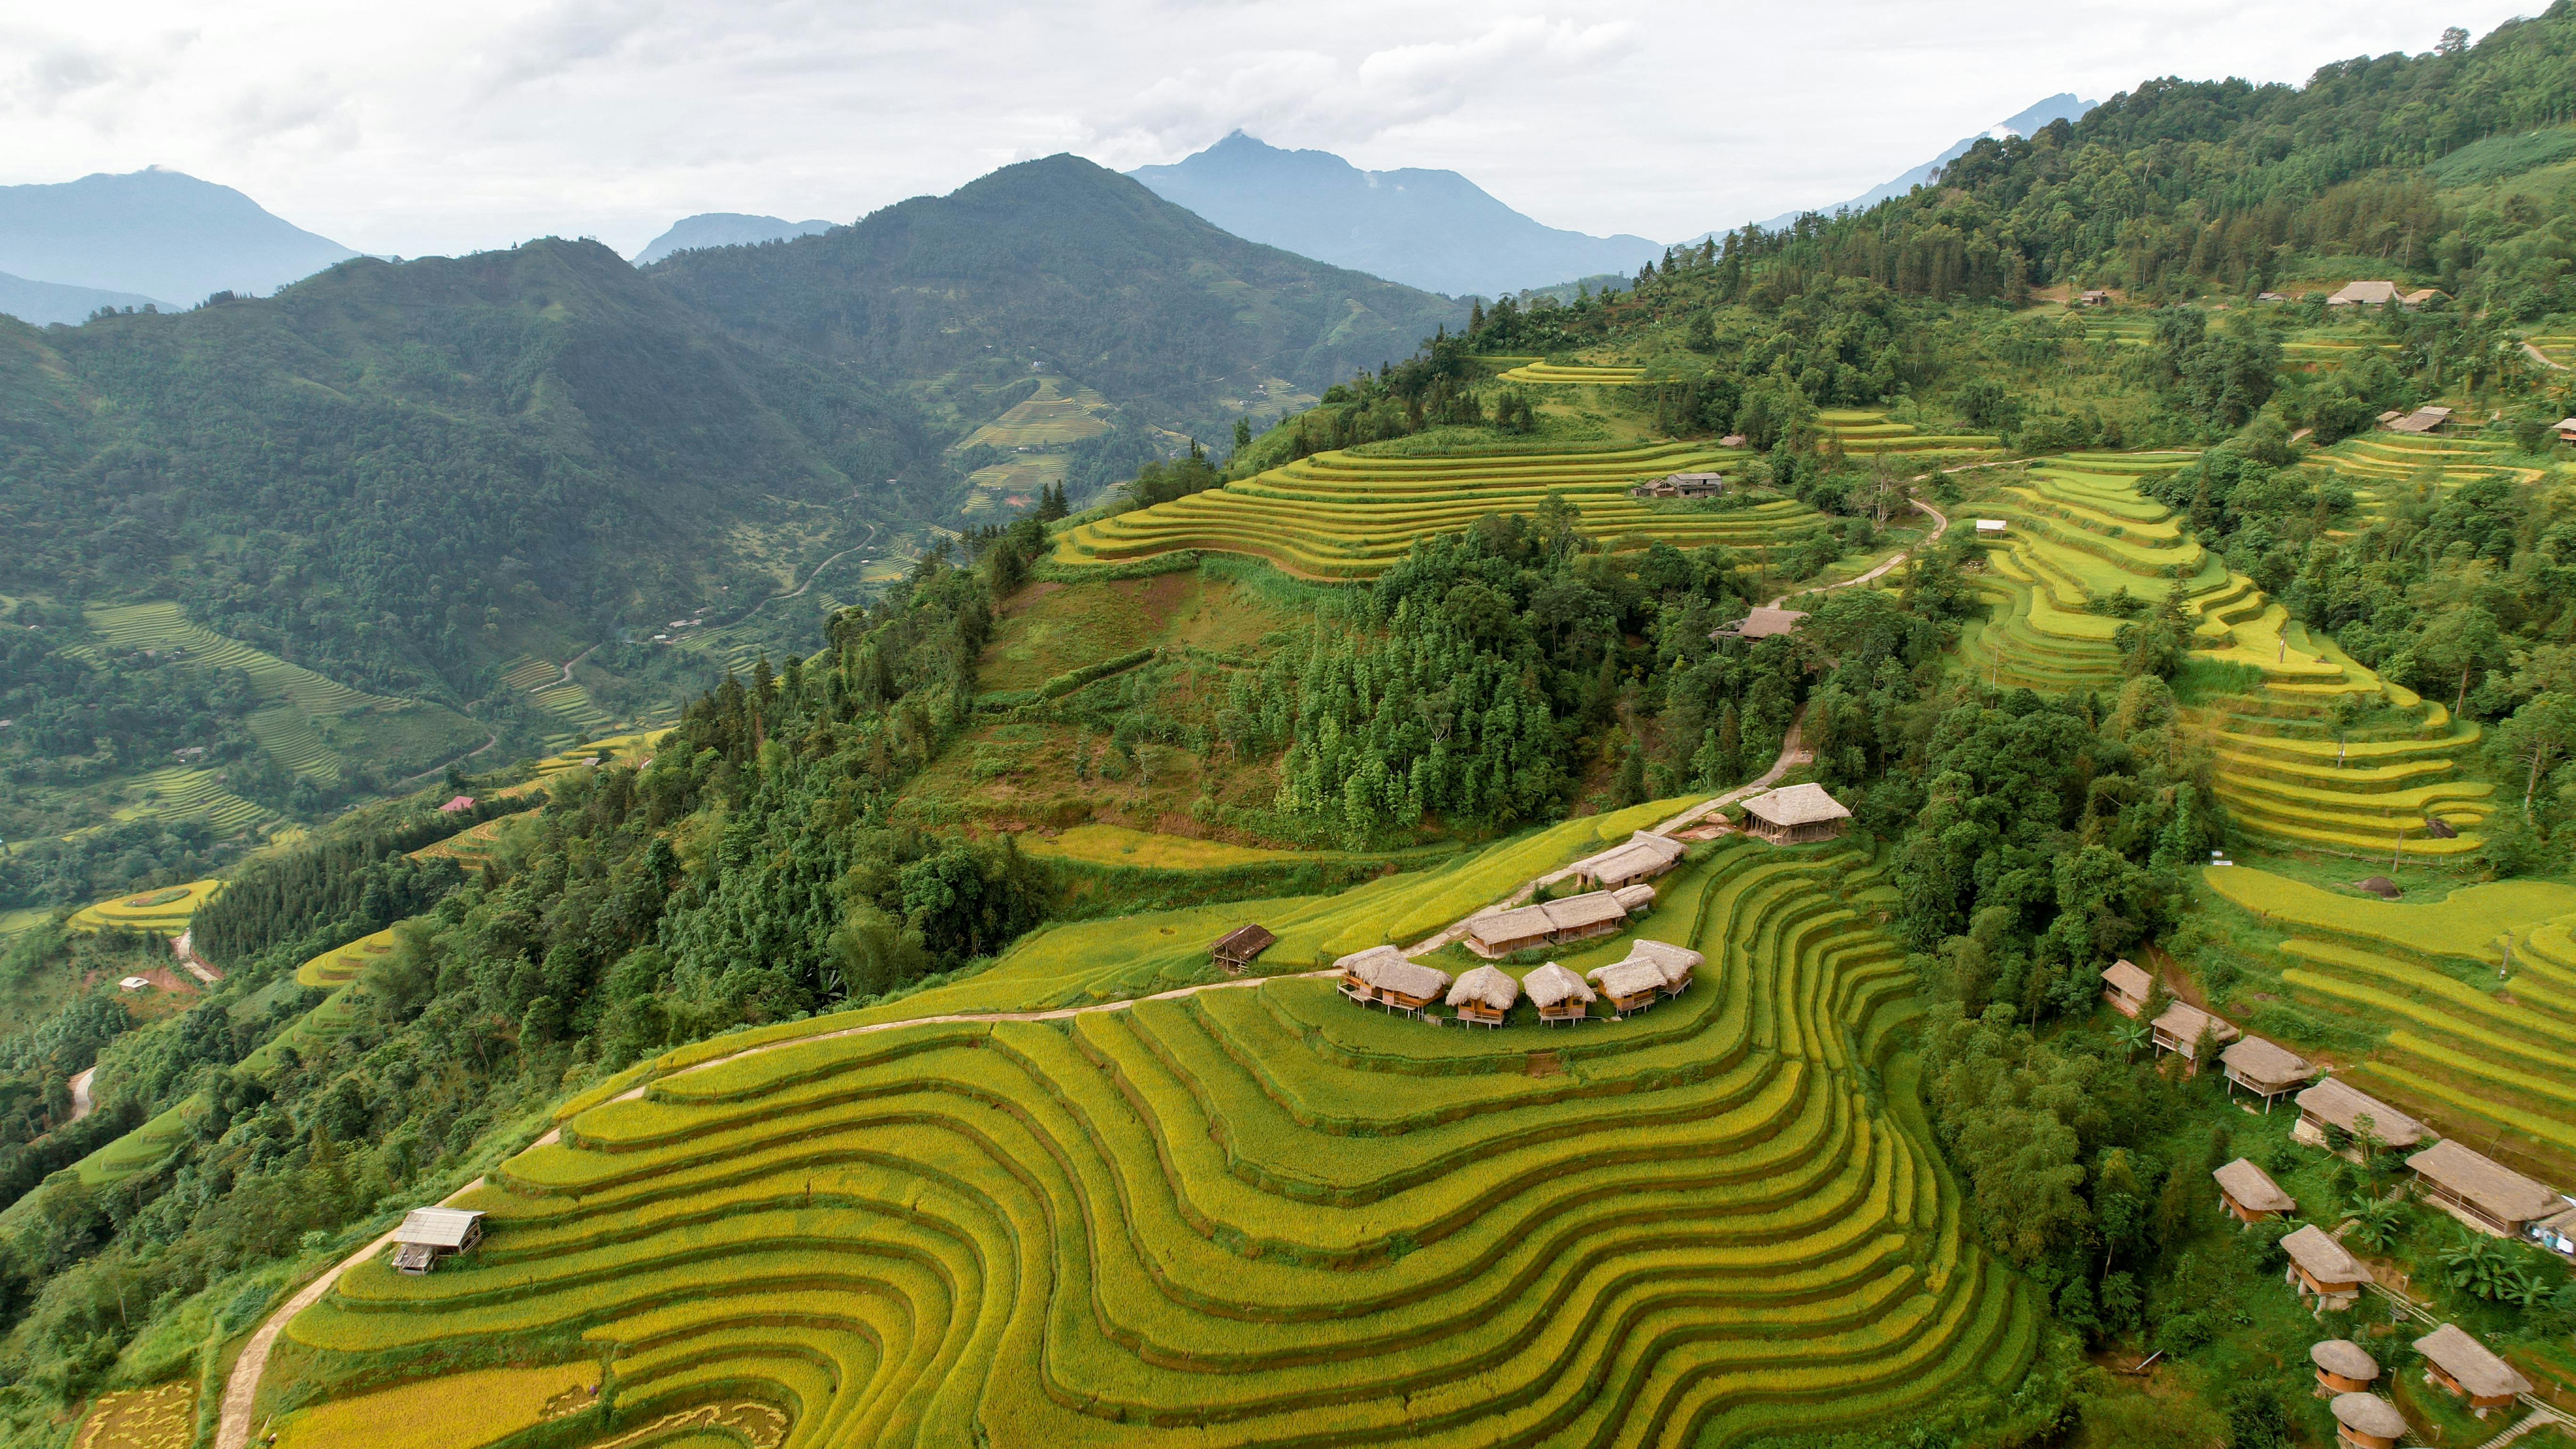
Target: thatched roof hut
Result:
[1642, 856]
[2250, 1193]
[2468, 1368]
[1761, 622]
[1484, 995]
[2369, 1421]
[2180, 1028]
[1675, 962]
[2126, 985]
[1630, 985]
[2328, 1267]
[1235, 949]
[2266, 1069]
[1796, 814]
[2482, 1190]
[1559, 994]
[1634, 899]
[2343, 1365]
[2334, 1103]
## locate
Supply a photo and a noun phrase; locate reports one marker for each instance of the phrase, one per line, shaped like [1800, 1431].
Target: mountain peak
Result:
[158, 232]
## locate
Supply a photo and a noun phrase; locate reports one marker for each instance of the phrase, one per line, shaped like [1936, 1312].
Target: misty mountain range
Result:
[162, 238]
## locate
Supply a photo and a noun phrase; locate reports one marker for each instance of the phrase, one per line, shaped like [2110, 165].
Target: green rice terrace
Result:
[1351, 515]
[2079, 532]
[1258, 1213]
[1560, 373]
[2381, 466]
[2468, 1004]
[1862, 432]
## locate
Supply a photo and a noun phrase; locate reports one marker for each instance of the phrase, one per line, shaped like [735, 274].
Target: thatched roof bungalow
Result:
[1762, 622]
[1636, 900]
[2265, 1069]
[1675, 962]
[2333, 1104]
[2481, 1191]
[2466, 1367]
[2343, 1367]
[2367, 1421]
[1795, 815]
[1356, 982]
[1559, 994]
[2320, 1268]
[2126, 985]
[1484, 995]
[2363, 294]
[1630, 985]
[1642, 856]
[1497, 934]
[2249, 1193]
[2180, 1027]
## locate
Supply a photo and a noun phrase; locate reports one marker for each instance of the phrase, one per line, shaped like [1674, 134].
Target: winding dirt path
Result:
[190, 962]
[1940, 525]
[81, 1103]
[2543, 358]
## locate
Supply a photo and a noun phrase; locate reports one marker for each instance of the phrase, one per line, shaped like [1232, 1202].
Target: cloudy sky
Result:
[473, 123]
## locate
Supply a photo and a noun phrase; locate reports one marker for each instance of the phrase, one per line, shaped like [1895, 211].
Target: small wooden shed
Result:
[2249, 1193]
[1632, 986]
[1559, 994]
[1235, 949]
[1484, 995]
[2332, 1103]
[1796, 815]
[2455, 1361]
[429, 1234]
[2343, 1367]
[2321, 1269]
[2267, 1070]
[2480, 1191]
[2367, 1421]
[2126, 985]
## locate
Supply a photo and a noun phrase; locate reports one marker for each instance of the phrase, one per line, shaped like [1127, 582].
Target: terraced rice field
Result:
[2081, 530]
[340, 967]
[2492, 1062]
[181, 793]
[1862, 433]
[2383, 467]
[1059, 412]
[471, 847]
[2558, 347]
[525, 672]
[1343, 515]
[1560, 374]
[166, 910]
[1265, 1216]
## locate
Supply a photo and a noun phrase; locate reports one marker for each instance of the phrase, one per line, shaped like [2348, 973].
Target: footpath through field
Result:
[81, 1103]
[1940, 525]
[241, 1389]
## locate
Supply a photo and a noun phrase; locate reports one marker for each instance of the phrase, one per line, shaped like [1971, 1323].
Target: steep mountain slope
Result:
[2062, 106]
[1431, 229]
[1058, 265]
[396, 474]
[42, 303]
[161, 233]
[724, 229]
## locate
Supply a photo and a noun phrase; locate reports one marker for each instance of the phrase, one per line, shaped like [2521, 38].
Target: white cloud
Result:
[481, 122]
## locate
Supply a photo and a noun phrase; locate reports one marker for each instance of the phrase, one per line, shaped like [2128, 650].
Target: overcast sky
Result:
[426, 129]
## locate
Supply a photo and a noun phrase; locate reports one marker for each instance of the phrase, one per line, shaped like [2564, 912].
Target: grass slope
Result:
[1266, 1216]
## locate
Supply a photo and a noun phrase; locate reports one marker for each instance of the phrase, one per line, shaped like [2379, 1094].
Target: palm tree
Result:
[2134, 1037]
[2475, 1265]
[2378, 1225]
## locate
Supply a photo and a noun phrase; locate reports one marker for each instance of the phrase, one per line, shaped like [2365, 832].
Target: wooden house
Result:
[2480, 1191]
[2180, 1028]
[1559, 994]
[1675, 962]
[2266, 1069]
[2422, 420]
[2249, 1193]
[1796, 815]
[2093, 297]
[431, 1233]
[1235, 949]
[1483, 996]
[2363, 294]
[1642, 857]
[2567, 430]
[1762, 622]
[2332, 1104]
[2417, 298]
[2466, 1367]
[458, 805]
[2343, 1367]
[2366, 1421]
[2322, 1270]
[2126, 985]
[1632, 986]
[1497, 934]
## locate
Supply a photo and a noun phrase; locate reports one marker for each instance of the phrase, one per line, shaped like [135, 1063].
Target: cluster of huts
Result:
[1485, 995]
[2380, 294]
[2453, 1362]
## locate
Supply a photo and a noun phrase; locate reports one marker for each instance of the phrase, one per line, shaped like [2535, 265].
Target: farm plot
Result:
[1266, 1216]
[166, 910]
[1348, 515]
[180, 793]
[2080, 532]
[1863, 432]
[2480, 1049]
[1582, 373]
[2380, 467]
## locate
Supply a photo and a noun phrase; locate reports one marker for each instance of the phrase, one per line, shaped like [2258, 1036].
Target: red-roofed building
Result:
[459, 804]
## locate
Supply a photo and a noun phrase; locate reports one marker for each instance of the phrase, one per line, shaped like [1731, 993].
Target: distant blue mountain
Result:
[155, 234]
[724, 229]
[2062, 105]
[46, 302]
[1435, 230]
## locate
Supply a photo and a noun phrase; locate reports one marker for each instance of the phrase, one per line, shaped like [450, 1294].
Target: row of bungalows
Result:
[2486, 1194]
[2381, 294]
[1383, 976]
[1485, 995]
[1497, 934]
